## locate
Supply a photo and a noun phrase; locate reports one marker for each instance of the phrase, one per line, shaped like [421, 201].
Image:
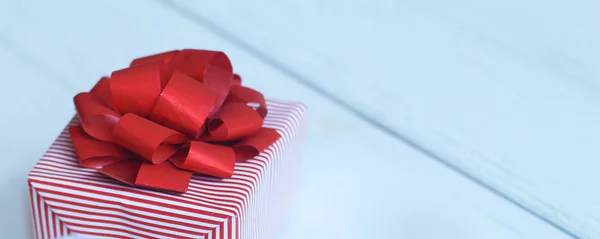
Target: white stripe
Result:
[36, 213]
[289, 118]
[250, 164]
[116, 219]
[234, 222]
[116, 207]
[215, 186]
[58, 163]
[43, 216]
[87, 236]
[226, 230]
[238, 176]
[134, 203]
[75, 169]
[69, 174]
[32, 210]
[64, 145]
[217, 201]
[63, 148]
[204, 188]
[102, 231]
[234, 182]
[126, 215]
[283, 130]
[261, 160]
[55, 164]
[50, 223]
[263, 192]
[192, 197]
[51, 167]
[62, 161]
[57, 226]
[283, 119]
[291, 115]
[128, 194]
[61, 156]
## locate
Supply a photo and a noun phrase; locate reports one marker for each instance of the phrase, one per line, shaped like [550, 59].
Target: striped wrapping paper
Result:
[68, 199]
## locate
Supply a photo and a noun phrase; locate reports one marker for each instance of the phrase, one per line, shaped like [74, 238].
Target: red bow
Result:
[168, 115]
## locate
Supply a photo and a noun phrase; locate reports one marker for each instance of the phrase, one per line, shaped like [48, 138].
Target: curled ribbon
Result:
[168, 116]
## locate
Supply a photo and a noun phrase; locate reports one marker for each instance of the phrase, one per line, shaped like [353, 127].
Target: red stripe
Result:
[55, 168]
[60, 161]
[80, 232]
[55, 223]
[48, 228]
[154, 225]
[109, 181]
[39, 226]
[31, 201]
[93, 182]
[130, 227]
[191, 195]
[62, 232]
[67, 152]
[108, 229]
[100, 176]
[121, 208]
[121, 211]
[56, 172]
[130, 198]
[50, 165]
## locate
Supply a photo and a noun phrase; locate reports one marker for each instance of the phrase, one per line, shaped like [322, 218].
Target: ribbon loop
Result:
[255, 144]
[102, 92]
[125, 171]
[95, 153]
[136, 89]
[205, 158]
[184, 105]
[149, 125]
[137, 172]
[237, 80]
[97, 119]
[163, 176]
[248, 96]
[234, 121]
[147, 139]
[212, 68]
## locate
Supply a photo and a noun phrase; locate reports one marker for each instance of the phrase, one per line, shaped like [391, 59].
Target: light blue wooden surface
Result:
[359, 181]
[505, 91]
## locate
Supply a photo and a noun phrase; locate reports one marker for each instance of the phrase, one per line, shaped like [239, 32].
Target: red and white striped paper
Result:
[68, 199]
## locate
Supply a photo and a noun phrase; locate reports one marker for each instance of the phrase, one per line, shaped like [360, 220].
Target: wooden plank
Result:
[505, 91]
[27, 117]
[359, 182]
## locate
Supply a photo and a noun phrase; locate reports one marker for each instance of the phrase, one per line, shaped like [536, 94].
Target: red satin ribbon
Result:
[168, 116]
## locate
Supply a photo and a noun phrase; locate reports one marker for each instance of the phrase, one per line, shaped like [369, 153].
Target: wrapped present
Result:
[172, 146]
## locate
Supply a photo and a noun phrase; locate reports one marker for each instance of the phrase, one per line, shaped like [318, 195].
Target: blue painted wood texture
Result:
[359, 181]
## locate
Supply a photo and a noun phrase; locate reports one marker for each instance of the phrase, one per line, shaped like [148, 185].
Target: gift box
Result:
[172, 146]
